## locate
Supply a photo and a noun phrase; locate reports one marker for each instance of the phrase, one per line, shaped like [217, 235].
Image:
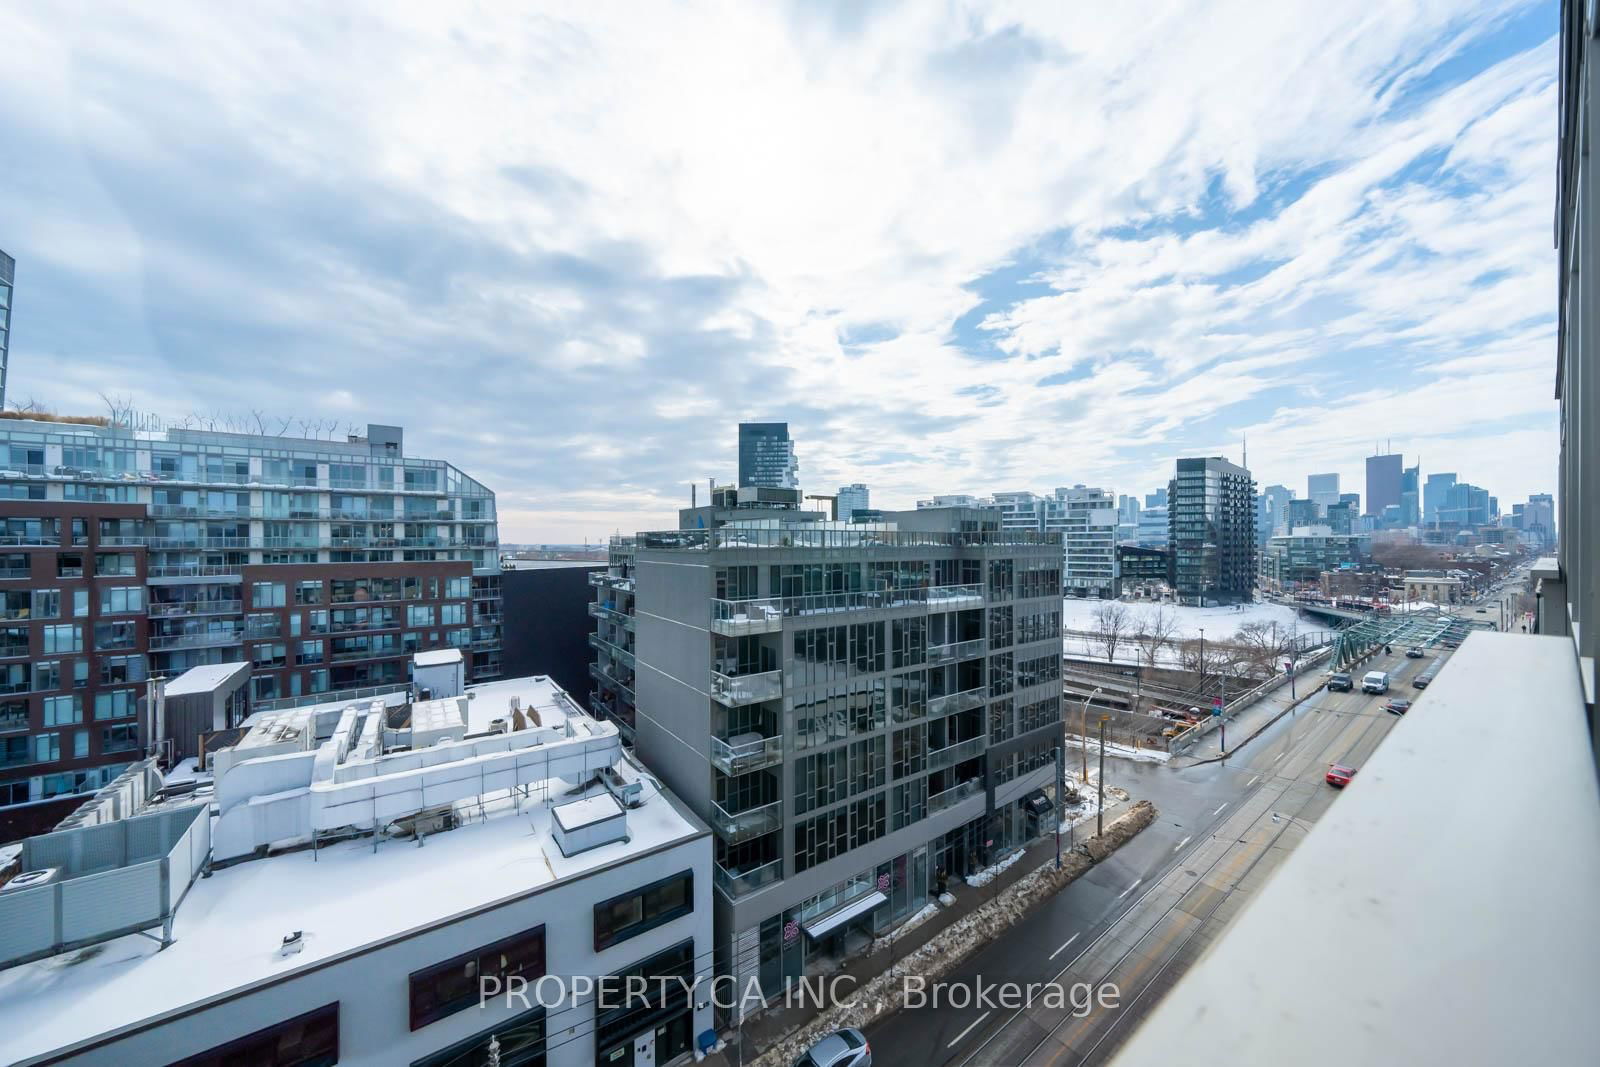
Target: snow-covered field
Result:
[1217, 622]
[1127, 752]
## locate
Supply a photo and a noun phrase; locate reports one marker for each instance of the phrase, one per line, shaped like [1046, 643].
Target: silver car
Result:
[842, 1048]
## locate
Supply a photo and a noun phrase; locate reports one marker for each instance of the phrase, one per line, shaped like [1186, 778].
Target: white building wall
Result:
[372, 984]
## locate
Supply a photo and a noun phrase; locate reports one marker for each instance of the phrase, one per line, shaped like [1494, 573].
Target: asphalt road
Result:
[1117, 922]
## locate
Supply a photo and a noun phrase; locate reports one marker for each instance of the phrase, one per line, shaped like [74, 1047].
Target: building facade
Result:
[1298, 560]
[1140, 569]
[1411, 496]
[1383, 482]
[766, 456]
[131, 554]
[548, 628]
[1086, 519]
[1323, 488]
[612, 672]
[8, 277]
[1211, 508]
[853, 498]
[858, 711]
[1152, 532]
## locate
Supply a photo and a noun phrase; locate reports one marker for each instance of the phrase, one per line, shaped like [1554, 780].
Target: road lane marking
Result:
[1180, 844]
[1279, 756]
[1225, 803]
[1253, 781]
[971, 1026]
[1063, 947]
[1130, 889]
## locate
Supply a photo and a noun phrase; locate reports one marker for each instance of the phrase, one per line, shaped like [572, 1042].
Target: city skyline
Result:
[948, 269]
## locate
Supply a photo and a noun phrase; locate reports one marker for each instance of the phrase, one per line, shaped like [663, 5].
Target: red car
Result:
[1339, 775]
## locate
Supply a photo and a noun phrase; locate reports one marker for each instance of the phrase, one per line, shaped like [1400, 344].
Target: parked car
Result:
[842, 1048]
[1339, 775]
[1413, 653]
[1398, 705]
[1340, 683]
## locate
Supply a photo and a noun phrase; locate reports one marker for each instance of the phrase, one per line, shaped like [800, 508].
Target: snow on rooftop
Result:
[492, 700]
[205, 678]
[586, 812]
[228, 930]
[437, 657]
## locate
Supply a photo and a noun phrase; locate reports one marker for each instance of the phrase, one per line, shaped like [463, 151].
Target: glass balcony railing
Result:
[952, 653]
[161, 642]
[950, 755]
[747, 755]
[940, 801]
[737, 689]
[954, 702]
[738, 883]
[196, 607]
[196, 570]
[743, 825]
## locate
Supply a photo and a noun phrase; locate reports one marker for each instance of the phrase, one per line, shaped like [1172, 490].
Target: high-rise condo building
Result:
[1211, 516]
[134, 553]
[1383, 482]
[860, 711]
[1411, 496]
[853, 498]
[1086, 518]
[766, 456]
[1324, 489]
[8, 274]
[1434, 491]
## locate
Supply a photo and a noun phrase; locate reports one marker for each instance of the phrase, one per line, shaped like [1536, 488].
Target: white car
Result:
[842, 1048]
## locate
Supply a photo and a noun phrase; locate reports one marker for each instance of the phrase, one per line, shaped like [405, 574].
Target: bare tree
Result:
[1112, 627]
[1200, 657]
[1155, 633]
[1257, 647]
[30, 406]
[119, 409]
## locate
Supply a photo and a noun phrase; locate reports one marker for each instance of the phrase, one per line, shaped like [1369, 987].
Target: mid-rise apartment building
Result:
[135, 553]
[853, 498]
[1086, 518]
[858, 710]
[444, 879]
[1299, 558]
[1211, 505]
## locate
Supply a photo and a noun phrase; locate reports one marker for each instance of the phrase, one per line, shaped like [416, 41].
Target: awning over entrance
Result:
[826, 924]
[1038, 803]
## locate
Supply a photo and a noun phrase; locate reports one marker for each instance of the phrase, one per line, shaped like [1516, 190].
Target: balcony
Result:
[954, 702]
[209, 639]
[622, 653]
[734, 618]
[959, 752]
[748, 752]
[738, 689]
[195, 570]
[960, 650]
[1407, 949]
[738, 883]
[598, 673]
[955, 795]
[734, 827]
[603, 610]
[195, 607]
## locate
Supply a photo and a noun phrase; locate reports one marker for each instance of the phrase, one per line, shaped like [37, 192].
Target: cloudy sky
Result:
[959, 248]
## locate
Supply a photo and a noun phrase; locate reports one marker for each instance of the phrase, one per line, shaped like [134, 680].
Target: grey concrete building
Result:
[856, 709]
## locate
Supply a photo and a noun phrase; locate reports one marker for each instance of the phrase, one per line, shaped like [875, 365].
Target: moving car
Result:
[842, 1048]
[1340, 683]
[1398, 705]
[1375, 682]
[1483, 611]
[1413, 653]
[1339, 775]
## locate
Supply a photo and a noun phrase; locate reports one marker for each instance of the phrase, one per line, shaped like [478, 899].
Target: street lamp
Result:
[1084, 732]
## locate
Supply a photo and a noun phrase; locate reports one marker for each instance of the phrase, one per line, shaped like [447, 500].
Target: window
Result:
[308, 592]
[264, 687]
[116, 703]
[80, 603]
[520, 1041]
[47, 676]
[309, 1040]
[68, 565]
[452, 614]
[457, 588]
[262, 624]
[618, 919]
[123, 738]
[109, 636]
[419, 615]
[309, 652]
[121, 564]
[122, 600]
[46, 747]
[14, 640]
[118, 670]
[63, 711]
[65, 638]
[446, 988]
[266, 594]
[267, 656]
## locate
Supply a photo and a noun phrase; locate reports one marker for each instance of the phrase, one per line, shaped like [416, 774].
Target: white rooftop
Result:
[228, 929]
[205, 678]
[437, 657]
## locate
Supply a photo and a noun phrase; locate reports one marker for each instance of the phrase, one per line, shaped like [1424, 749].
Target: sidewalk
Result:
[1244, 725]
[771, 1026]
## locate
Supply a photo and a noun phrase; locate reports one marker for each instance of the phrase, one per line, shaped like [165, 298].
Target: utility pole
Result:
[1083, 731]
[1100, 811]
[1061, 797]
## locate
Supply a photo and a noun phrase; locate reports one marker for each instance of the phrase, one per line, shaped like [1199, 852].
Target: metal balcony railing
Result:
[211, 638]
[738, 883]
[196, 570]
[743, 825]
[737, 689]
[747, 755]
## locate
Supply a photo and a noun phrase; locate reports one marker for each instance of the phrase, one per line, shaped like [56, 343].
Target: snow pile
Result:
[1127, 752]
[927, 911]
[994, 870]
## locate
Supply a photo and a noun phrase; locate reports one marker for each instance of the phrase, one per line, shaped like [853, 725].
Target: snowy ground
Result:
[1217, 622]
[1127, 752]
